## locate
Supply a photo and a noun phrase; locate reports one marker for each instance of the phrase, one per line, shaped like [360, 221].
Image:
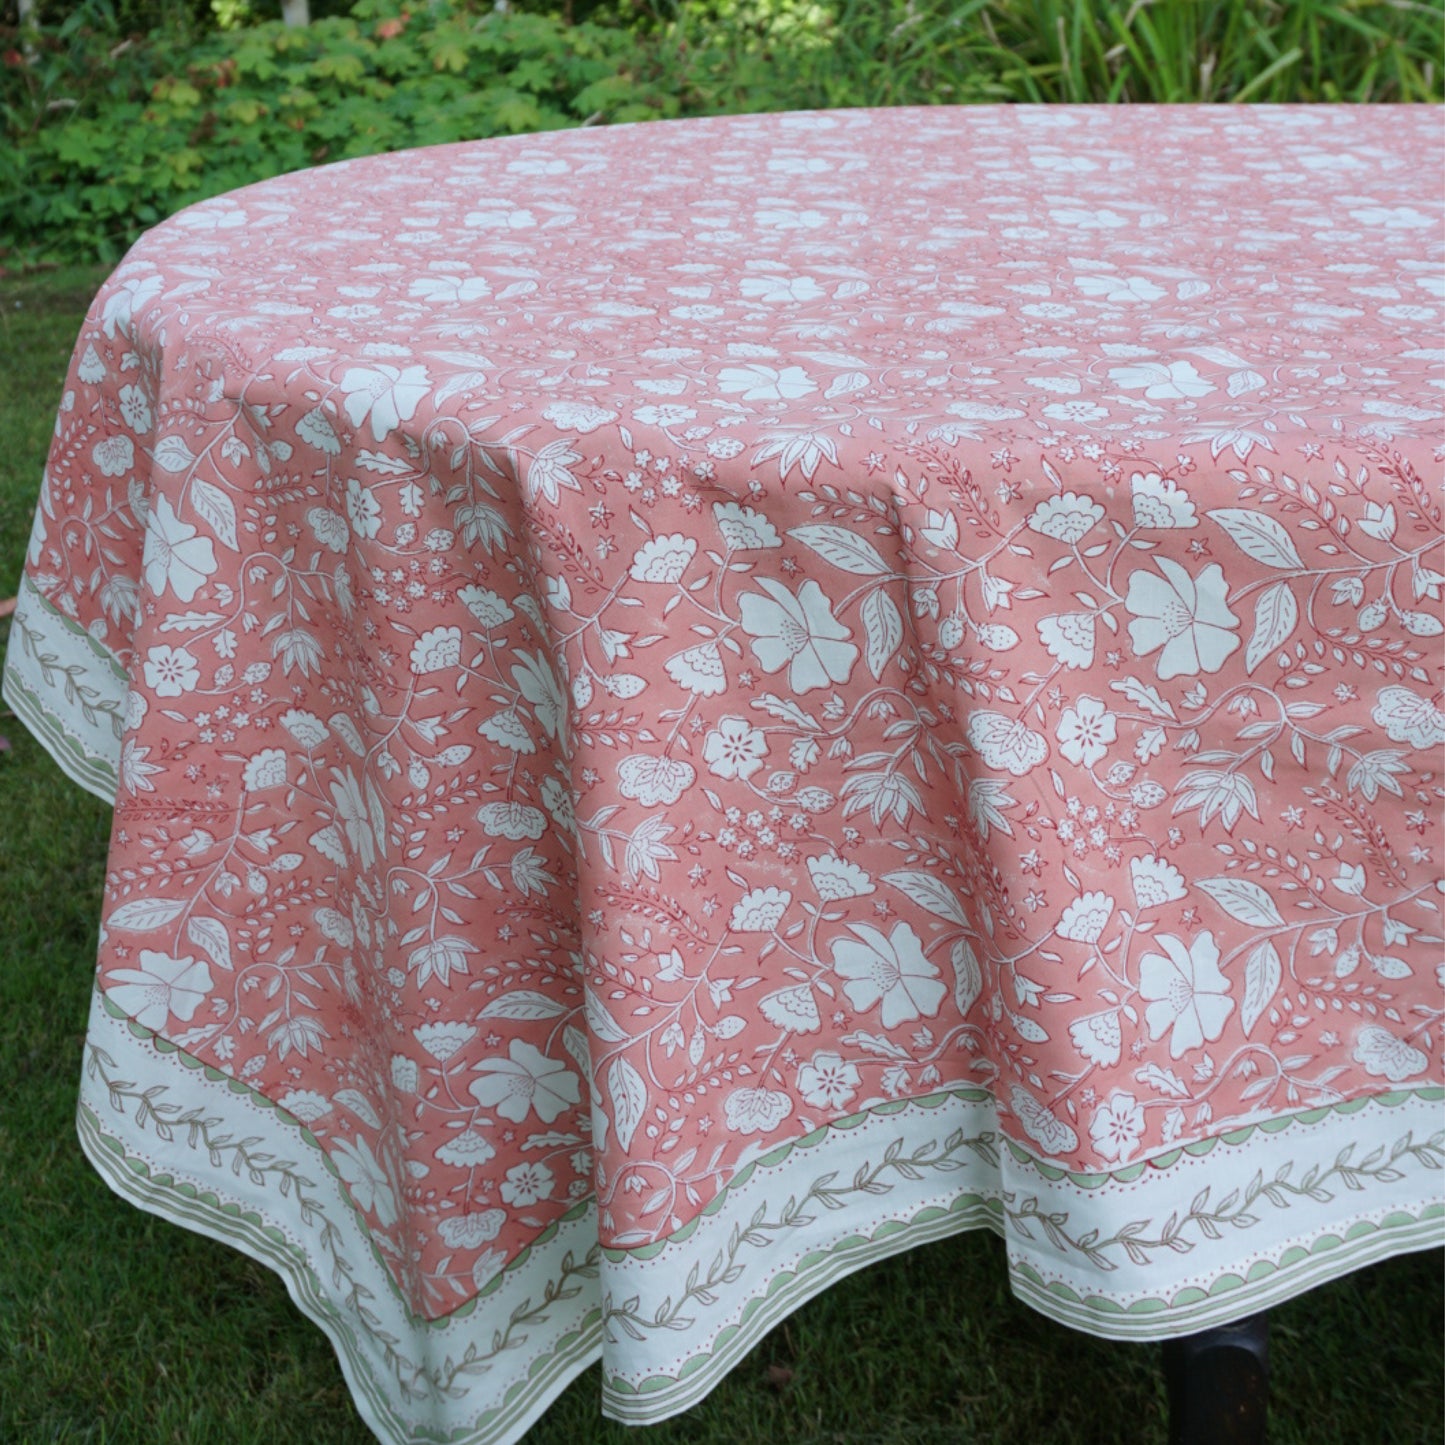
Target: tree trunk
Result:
[296, 12]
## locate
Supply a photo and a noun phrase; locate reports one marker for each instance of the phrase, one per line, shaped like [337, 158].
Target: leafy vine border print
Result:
[692, 706]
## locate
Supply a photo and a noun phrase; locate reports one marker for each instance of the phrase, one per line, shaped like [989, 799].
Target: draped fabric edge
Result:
[1260, 1207]
[1262, 1217]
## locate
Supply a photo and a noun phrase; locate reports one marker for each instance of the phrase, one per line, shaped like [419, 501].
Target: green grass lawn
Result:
[121, 1329]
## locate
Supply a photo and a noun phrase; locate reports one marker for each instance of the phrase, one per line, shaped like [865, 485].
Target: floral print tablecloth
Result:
[692, 705]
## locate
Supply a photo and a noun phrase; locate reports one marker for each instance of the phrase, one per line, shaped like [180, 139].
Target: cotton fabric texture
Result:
[693, 705]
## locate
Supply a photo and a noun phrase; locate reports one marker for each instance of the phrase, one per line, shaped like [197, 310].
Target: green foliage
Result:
[105, 130]
[106, 140]
[780, 54]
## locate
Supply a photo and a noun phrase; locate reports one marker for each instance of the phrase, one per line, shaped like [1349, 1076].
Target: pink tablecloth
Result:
[693, 705]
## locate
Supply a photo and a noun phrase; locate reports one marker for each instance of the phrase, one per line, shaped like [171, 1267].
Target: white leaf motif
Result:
[173, 454]
[1261, 978]
[842, 548]
[1246, 901]
[929, 893]
[143, 915]
[210, 934]
[1275, 616]
[359, 1105]
[629, 1098]
[216, 509]
[1146, 696]
[884, 629]
[523, 1004]
[967, 976]
[603, 1024]
[1259, 536]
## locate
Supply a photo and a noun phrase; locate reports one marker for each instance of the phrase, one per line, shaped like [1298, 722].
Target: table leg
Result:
[1218, 1383]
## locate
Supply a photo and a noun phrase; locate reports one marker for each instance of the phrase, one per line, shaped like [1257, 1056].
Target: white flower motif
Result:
[316, 430]
[781, 288]
[363, 1171]
[171, 671]
[735, 748]
[125, 300]
[363, 509]
[329, 528]
[135, 771]
[471, 1231]
[386, 395]
[526, 1184]
[1178, 381]
[835, 878]
[1086, 917]
[799, 633]
[175, 556]
[663, 559]
[1385, 1056]
[756, 1111]
[699, 669]
[1409, 718]
[654, 782]
[266, 769]
[760, 910]
[1185, 619]
[1119, 288]
[1097, 1037]
[1187, 992]
[538, 684]
[135, 409]
[512, 820]
[442, 1040]
[549, 472]
[161, 987]
[743, 529]
[305, 727]
[1156, 882]
[524, 1081]
[1072, 413]
[1085, 732]
[306, 1104]
[1158, 502]
[1069, 637]
[890, 971]
[828, 1081]
[1052, 1135]
[443, 290]
[665, 415]
[489, 608]
[115, 456]
[1117, 1127]
[764, 383]
[1067, 518]
[464, 1150]
[1004, 743]
[578, 416]
[794, 1009]
[437, 648]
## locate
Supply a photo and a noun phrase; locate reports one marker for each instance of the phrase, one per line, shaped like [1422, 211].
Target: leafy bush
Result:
[143, 132]
[107, 131]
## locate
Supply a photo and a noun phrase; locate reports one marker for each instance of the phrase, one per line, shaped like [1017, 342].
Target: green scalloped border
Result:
[261, 1101]
[97, 775]
[1089, 1181]
[205, 1212]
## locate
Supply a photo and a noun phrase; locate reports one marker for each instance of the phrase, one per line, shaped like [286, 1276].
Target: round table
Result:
[693, 705]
